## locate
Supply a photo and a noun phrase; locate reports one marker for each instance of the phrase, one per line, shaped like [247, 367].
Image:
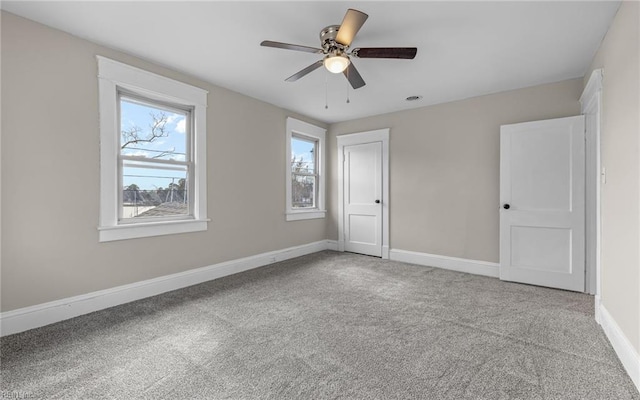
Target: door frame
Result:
[380, 135]
[591, 104]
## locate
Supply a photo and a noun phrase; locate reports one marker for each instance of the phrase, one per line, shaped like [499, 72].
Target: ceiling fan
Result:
[335, 41]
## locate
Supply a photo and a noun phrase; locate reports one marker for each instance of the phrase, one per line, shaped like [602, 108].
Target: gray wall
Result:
[620, 152]
[445, 167]
[50, 176]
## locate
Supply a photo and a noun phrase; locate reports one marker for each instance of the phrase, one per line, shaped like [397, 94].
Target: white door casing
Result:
[591, 107]
[363, 173]
[542, 196]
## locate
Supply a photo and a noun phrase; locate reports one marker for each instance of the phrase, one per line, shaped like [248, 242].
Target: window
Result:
[305, 174]
[154, 161]
[152, 154]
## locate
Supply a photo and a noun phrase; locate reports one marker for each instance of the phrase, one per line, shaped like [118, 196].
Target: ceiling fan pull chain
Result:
[348, 101]
[326, 92]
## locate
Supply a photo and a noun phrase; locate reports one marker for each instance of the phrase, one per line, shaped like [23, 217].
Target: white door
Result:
[542, 194]
[363, 198]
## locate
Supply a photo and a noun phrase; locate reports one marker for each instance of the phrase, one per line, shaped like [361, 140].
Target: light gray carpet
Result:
[328, 325]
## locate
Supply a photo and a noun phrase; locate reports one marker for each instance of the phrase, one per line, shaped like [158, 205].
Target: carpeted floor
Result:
[324, 326]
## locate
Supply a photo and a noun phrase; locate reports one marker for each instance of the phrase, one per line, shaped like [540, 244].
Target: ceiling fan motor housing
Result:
[328, 40]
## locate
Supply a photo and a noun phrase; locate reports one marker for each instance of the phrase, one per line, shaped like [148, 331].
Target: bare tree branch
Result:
[157, 128]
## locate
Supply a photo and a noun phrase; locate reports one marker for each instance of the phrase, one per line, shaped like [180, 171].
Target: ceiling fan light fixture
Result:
[336, 63]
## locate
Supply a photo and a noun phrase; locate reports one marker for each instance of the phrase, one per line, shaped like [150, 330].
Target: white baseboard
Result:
[598, 318]
[48, 313]
[332, 245]
[453, 263]
[624, 349]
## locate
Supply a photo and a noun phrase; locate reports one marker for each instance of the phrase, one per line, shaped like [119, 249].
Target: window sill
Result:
[310, 214]
[148, 229]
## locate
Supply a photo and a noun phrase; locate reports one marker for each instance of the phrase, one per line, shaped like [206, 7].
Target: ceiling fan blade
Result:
[353, 76]
[287, 46]
[385, 52]
[351, 24]
[305, 71]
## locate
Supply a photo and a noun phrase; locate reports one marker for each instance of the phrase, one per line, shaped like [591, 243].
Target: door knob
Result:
[506, 206]
[377, 201]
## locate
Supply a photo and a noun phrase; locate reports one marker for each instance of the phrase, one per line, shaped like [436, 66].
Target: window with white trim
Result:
[152, 154]
[305, 173]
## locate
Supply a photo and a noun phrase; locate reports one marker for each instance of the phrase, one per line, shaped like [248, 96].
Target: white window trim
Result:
[113, 75]
[300, 128]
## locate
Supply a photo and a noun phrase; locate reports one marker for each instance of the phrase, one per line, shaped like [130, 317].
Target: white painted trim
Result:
[624, 349]
[380, 135]
[598, 300]
[385, 252]
[445, 262]
[150, 84]
[122, 232]
[332, 245]
[591, 104]
[311, 214]
[113, 75]
[315, 132]
[594, 85]
[48, 313]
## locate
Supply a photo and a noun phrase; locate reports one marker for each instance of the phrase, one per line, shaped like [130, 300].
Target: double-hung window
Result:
[305, 174]
[153, 171]
[155, 161]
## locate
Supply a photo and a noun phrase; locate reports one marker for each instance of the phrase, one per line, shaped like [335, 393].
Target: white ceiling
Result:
[465, 49]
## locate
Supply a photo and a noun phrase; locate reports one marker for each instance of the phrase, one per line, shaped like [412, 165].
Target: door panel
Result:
[542, 237]
[362, 187]
[534, 162]
[545, 249]
[363, 229]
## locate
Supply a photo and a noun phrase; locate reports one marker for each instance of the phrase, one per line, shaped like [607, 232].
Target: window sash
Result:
[314, 203]
[307, 139]
[152, 163]
[303, 174]
[187, 168]
[141, 162]
[161, 105]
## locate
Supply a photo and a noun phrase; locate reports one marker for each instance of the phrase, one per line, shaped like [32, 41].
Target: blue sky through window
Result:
[302, 149]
